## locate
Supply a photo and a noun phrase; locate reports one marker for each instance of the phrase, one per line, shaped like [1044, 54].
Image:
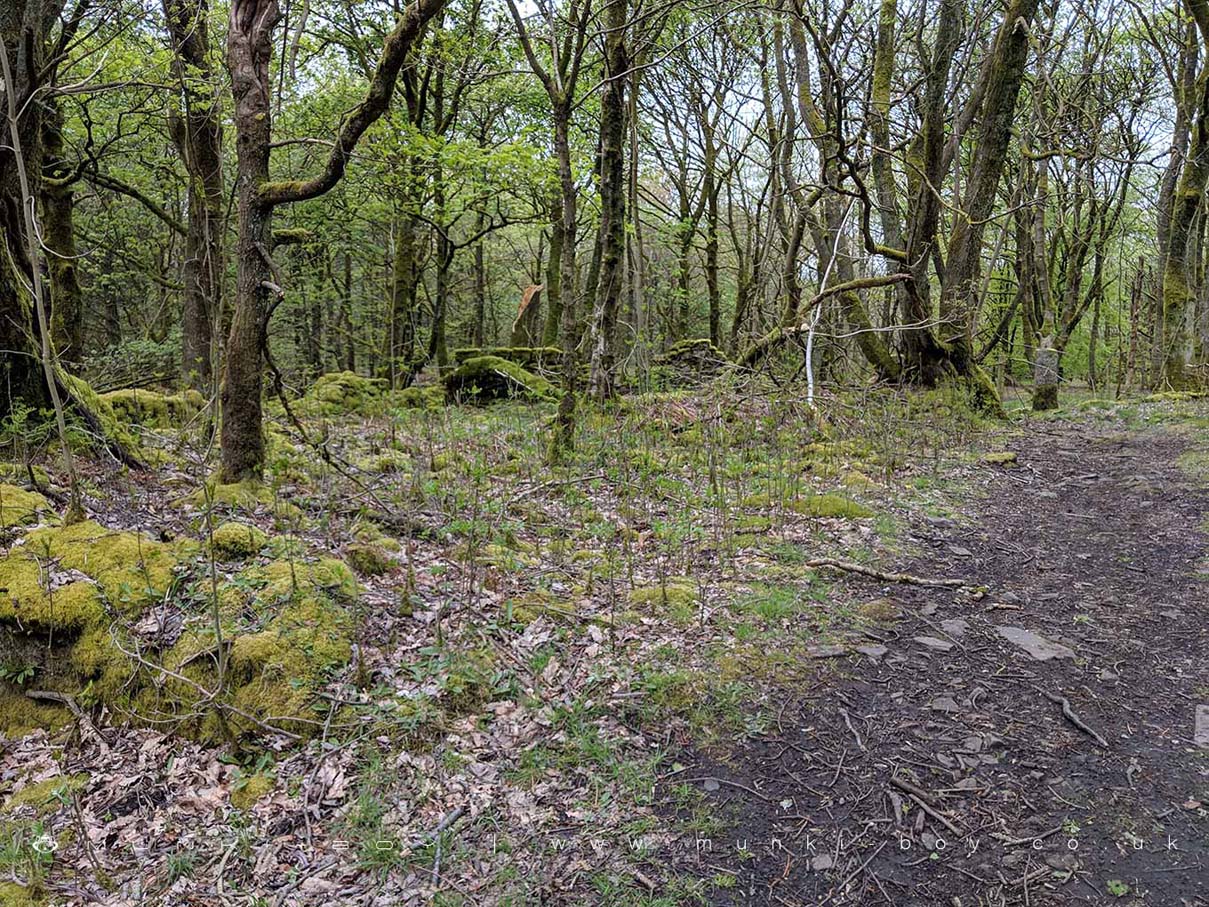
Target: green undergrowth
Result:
[18, 506]
[71, 621]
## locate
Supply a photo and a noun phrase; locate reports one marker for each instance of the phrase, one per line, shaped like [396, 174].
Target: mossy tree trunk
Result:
[602, 375]
[249, 51]
[197, 133]
[1177, 289]
[59, 235]
[23, 40]
[959, 304]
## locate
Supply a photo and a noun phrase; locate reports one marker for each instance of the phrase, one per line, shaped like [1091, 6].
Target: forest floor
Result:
[1042, 731]
[628, 682]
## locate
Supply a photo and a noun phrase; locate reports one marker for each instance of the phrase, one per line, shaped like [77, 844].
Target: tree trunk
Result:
[22, 382]
[612, 204]
[197, 133]
[58, 227]
[249, 50]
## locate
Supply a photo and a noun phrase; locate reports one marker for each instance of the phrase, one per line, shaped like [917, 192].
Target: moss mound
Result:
[18, 506]
[71, 608]
[247, 496]
[677, 598]
[368, 560]
[235, 541]
[486, 378]
[534, 358]
[832, 505]
[344, 392]
[154, 410]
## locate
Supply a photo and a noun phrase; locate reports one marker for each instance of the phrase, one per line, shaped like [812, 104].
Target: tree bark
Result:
[602, 380]
[197, 133]
[249, 49]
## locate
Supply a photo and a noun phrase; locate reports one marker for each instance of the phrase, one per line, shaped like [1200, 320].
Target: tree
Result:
[249, 50]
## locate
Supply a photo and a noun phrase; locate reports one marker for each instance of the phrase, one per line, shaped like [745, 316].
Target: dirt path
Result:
[941, 771]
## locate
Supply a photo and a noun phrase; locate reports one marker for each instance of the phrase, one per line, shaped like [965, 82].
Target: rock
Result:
[955, 627]
[1172, 613]
[940, 522]
[1200, 733]
[1038, 647]
[958, 551]
[941, 645]
[488, 378]
[874, 652]
[999, 458]
[826, 651]
[944, 704]
[821, 862]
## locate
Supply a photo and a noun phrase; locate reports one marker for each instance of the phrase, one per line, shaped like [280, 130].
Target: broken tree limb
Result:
[921, 797]
[86, 725]
[906, 578]
[774, 338]
[1069, 714]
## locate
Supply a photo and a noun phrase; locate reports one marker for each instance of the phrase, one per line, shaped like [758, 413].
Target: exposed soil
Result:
[1091, 541]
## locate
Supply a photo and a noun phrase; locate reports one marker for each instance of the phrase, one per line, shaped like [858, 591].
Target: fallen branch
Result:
[1069, 714]
[86, 724]
[921, 797]
[906, 578]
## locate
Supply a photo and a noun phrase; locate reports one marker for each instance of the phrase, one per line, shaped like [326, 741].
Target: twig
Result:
[906, 578]
[848, 721]
[742, 787]
[921, 797]
[86, 724]
[1070, 716]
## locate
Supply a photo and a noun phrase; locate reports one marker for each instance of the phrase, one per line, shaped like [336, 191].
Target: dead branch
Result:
[906, 578]
[1069, 714]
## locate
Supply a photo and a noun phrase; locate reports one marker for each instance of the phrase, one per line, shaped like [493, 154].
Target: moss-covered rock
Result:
[18, 506]
[234, 540]
[534, 358]
[114, 429]
[487, 378]
[247, 496]
[153, 410]
[42, 794]
[692, 360]
[344, 392]
[20, 715]
[368, 560]
[676, 597]
[430, 396]
[999, 458]
[831, 505]
[284, 622]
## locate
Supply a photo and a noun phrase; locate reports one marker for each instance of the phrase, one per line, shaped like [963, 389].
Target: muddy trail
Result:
[1031, 742]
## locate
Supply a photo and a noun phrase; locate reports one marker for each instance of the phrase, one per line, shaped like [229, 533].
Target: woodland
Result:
[614, 452]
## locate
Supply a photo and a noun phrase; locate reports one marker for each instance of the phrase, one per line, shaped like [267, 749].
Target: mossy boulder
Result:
[234, 540]
[74, 597]
[18, 506]
[153, 410]
[832, 506]
[534, 358]
[999, 458]
[690, 361]
[114, 429]
[486, 378]
[65, 594]
[344, 392]
[368, 559]
[429, 396]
